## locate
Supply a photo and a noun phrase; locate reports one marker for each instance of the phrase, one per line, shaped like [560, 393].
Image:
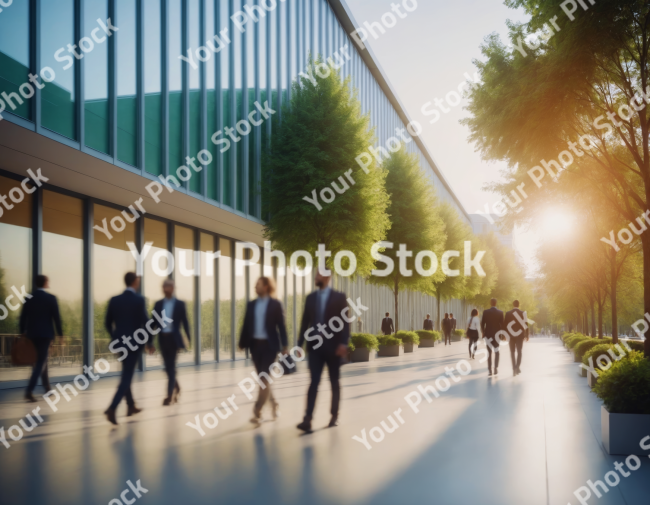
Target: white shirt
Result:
[168, 308]
[474, 323]
[261, 304]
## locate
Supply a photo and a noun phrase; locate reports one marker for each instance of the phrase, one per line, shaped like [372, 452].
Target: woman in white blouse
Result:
[473, 332]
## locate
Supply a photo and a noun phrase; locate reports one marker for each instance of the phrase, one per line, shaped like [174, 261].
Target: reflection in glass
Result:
[15, 270]
[95, 79]
[225, 300]
[112, 259]
[155, 270]
[251, 138]
[58, 97]
[211, 100]
[152, 87]
[240, 299]
[175, 66]
[185, 262]
[14, 58]
[63, 265]
[127, 79]
[226, 108]
[195, 93]
[208, 287]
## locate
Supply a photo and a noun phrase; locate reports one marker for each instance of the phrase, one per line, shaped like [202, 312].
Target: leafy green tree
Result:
[321, 133]
[415, 222]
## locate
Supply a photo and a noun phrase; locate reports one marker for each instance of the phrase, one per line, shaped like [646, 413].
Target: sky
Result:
[425, 56]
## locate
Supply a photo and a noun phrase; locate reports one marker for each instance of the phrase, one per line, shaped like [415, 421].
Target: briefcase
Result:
[290, 360]
[23, 352]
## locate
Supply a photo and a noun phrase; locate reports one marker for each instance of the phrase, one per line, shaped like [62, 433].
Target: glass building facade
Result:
[113, 88]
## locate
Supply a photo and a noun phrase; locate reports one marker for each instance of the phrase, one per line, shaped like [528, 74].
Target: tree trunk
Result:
[396, 293]
[438, 311]
[593, 319]
[600, 315]
[612, 296]
[645, 240]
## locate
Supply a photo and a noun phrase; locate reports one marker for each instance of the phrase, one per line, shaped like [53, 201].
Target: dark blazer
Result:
[387, 325]
[276, 330]
[517, 329]
[491, 322]
[180, 319]
[446, 325]
[336, 303]
[40, 316]
[453, 323]
[126, 313]
[428, 324]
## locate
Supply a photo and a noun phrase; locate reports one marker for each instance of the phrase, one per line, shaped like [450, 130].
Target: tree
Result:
[321, 133]
[415, 224]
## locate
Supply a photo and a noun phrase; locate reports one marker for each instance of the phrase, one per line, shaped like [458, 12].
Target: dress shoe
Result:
[275, 409]
[333, 422]
[176, 394]
[489, 373]
[496, 371]
[30, 398]
[132, 409]
[518, 370]
[257, 417]
[305, 426]
[167, 401]
[110, 415]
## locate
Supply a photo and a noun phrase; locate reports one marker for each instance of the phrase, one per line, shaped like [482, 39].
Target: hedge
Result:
[366, 340]
[597, 351]
[409, 337]
[585, 345]
[573, 341]
[459, 333]
[625, 387]
[429, 335]
[388, 340]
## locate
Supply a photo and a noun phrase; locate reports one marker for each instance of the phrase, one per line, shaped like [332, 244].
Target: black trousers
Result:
[473, 338]
[495, 344]
[169, 352]
[42, 347]
[516, 344]
[317, 361]
[263, 357]
[447, 337]
[128, 369]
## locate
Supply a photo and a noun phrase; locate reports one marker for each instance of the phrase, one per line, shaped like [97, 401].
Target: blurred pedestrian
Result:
[473, 332]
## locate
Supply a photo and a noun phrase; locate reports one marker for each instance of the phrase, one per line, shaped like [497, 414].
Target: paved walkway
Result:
[529, 440]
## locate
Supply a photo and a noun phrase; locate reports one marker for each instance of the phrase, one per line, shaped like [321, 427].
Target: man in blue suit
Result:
[491, 325]
[327, 344]
[38, 321]
[126, 314]
[170, 338]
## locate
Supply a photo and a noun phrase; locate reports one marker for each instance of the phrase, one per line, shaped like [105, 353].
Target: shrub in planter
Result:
[573, 341]
[428, 338]
[408, 337]
[584, 346]
[636, 345]
[625, 387]
[567, 336]
[390, 345]
[599, 350]
[388, 340]
[367, 340]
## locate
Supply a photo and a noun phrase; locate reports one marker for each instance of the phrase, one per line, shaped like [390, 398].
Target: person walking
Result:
[446, 328]
[39, 320]
[327, 344]
[516, 323]
[265, 334]
[125, 315]
[428, 323]
[170, 338]
[453, 322]
[491, 325]
[359, 325]
[473, 331]
[387, 327]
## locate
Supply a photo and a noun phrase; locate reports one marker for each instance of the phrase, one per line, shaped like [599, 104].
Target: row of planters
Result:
[363, 345]
[620, 376]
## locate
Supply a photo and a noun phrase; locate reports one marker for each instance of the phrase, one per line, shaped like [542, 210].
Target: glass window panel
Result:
[226, 94]
[240, 301]
[152, 87]
[14, 58]
[306, 33]
[208, 295]
[185, 264]
[15, 270]
[225, 300]
[58, 97]
[175, 66]
[315, 19]
[239, 43]
[300, 300]
[195, 92]
[282, 40]
[112, 259]
[211, 100]
[290, 308]
[293, 39]
[273, 58]
[252, 57]
[63, 264]
[155, 270]
[127, 79]
[96, 73]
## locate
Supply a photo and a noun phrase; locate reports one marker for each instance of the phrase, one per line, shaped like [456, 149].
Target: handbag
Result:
[23, 352]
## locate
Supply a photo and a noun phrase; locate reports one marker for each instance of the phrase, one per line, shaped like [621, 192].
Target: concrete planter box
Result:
[591, 379]
[582, 372]
[426, 342]
[390, 350]
[410, 347]
[362, 354]
[456, 338]
[622, 433]
[575, 358]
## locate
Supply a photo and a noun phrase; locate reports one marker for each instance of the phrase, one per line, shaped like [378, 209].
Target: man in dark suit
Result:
[446, 328]
[265, 334]
[170, 338]
[387, 327]
[517, 327]
[38, 321]
[125, 315]
[453, 322]
[491, 325]
[327, 342]
[428, 323]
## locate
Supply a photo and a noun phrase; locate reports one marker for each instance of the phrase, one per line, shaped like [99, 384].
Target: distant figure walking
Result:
[516, 323]
[428, 323]
[387, 327]
[126, 314]
[38, 321]
[327, 345]
[446, 328]
[170, 338]
[265, 334]
[359, 326]
[491, 325]
[473, 331]
[453, 322]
